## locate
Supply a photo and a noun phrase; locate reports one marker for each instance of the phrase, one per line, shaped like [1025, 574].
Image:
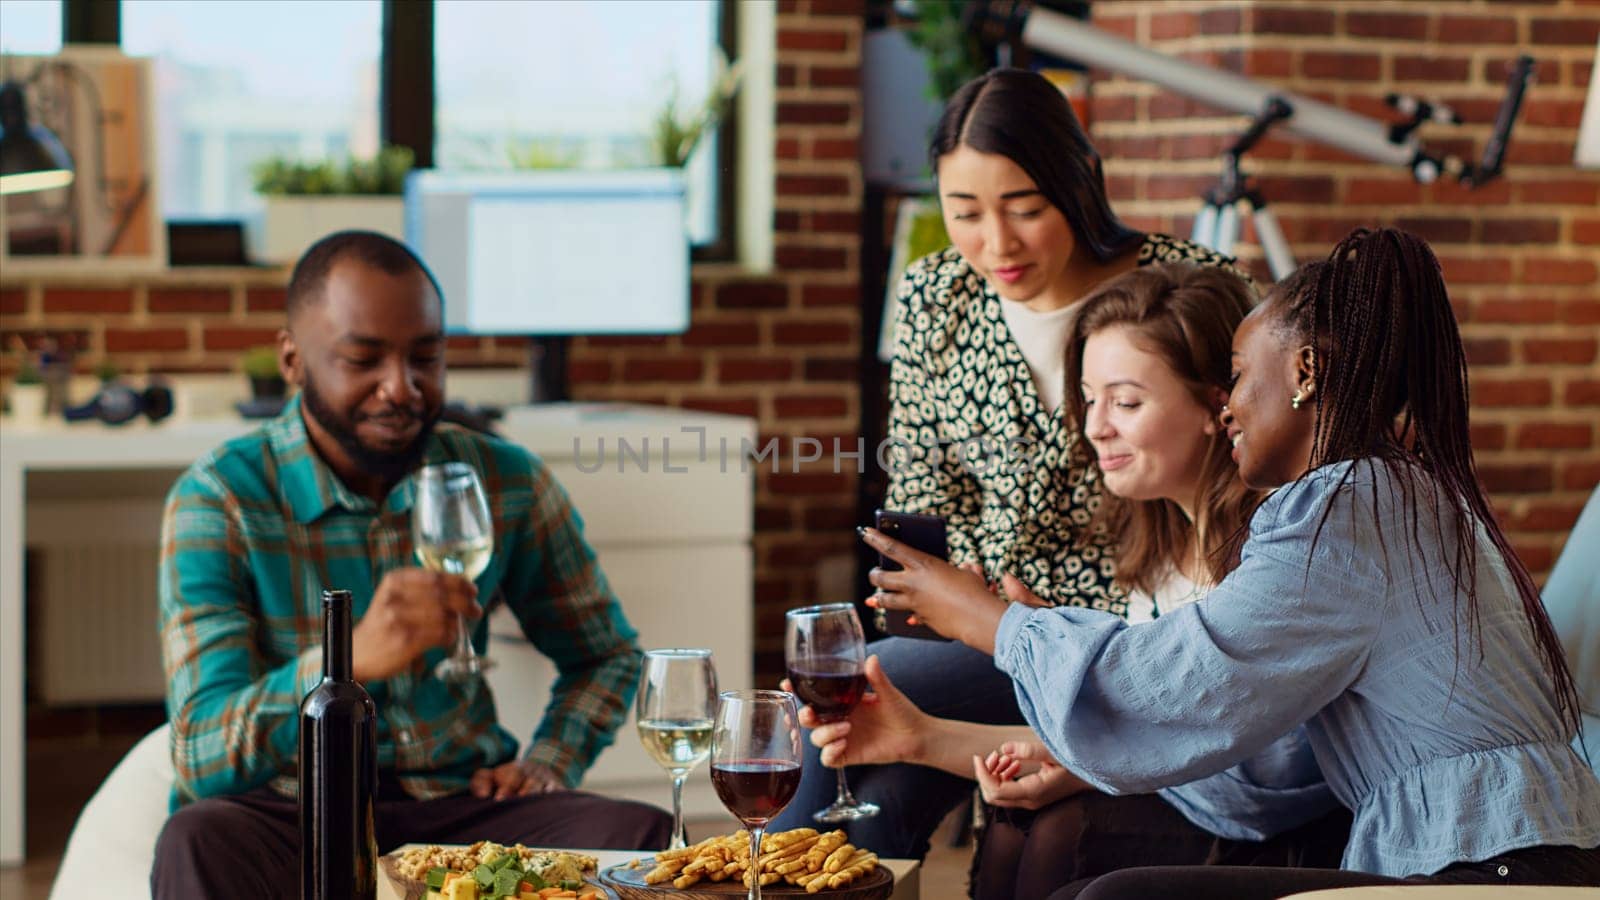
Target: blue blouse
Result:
[1444, 742]
[1271, 792]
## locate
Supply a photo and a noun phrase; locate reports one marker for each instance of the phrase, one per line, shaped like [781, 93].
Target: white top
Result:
[1042, 338]
[1172, 592]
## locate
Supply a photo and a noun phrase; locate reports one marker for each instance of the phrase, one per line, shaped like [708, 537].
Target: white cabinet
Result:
[672, 531]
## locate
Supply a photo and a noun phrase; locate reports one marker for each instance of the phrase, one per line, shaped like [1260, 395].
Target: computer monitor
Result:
[564, 252]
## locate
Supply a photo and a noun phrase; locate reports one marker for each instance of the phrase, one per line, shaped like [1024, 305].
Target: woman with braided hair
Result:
[1376, 600]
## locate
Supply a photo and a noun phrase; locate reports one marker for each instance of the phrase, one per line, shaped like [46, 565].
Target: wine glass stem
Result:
[680, 835]
[755, 862]
[463, 638]
[845, 798]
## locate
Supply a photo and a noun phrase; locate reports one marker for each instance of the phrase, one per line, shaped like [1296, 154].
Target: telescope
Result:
[1390, 143]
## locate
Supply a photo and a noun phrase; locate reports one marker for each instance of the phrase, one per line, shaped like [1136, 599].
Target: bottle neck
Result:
[336, 664]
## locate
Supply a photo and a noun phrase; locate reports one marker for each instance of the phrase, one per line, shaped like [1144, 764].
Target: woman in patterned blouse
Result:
[976, 390]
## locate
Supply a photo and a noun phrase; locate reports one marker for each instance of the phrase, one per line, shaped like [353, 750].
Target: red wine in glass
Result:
[756, 789]
[825, 655]
[755, 761]
[831, 687]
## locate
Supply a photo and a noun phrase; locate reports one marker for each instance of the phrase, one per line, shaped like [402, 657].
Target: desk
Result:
[670, 525]
[907, 874]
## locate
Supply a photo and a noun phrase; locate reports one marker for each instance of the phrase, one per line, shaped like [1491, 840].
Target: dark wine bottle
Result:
[338, 771]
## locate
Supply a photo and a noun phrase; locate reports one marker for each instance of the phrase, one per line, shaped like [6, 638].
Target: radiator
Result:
[95, 602]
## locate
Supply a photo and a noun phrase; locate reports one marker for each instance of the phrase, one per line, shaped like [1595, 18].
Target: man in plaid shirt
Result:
[321, 498]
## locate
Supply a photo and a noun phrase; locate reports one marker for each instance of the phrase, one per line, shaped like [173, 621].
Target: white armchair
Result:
[114, 840]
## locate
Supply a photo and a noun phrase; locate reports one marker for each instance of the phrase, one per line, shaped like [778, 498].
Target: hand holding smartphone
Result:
[919, 532]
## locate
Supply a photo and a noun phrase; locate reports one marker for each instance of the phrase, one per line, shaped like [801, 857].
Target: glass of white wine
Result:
[676, 704]
[453, 532]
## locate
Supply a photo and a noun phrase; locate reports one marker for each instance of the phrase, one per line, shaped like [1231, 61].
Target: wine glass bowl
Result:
[674, 709]
[755, 761]
[452, 532]
[825, 654]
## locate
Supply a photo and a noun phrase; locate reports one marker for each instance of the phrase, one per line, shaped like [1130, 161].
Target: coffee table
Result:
[907, 873]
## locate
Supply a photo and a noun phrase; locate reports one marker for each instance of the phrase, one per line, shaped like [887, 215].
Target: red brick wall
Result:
[781, 347]
[1521, 254]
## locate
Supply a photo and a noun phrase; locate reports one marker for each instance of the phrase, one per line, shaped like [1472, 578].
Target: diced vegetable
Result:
[506, 882]
[436, 876]
[483, 875]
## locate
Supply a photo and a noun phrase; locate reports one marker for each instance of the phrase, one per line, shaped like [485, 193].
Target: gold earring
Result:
[1295, 400]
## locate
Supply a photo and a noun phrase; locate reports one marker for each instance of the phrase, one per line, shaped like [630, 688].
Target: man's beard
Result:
[388, 465]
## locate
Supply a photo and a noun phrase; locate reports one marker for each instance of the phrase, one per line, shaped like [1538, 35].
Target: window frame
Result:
[407, 100]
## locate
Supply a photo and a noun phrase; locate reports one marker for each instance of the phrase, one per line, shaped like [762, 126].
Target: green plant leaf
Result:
[954, 54]
[383, 174]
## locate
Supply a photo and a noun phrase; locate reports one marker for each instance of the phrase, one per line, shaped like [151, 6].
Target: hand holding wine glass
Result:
[452, 532]
[676, 702]
[824, 651]
[755, 761]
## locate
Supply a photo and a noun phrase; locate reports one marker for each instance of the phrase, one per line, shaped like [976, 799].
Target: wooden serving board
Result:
[411, 889]
[628, 884]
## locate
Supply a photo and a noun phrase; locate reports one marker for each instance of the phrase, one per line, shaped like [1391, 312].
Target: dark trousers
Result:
[1529, 866]
[1028, 854]
[949, 680]
[248, 845]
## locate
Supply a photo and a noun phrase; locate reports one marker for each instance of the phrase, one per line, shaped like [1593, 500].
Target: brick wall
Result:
[1521, 254]
[781, 348]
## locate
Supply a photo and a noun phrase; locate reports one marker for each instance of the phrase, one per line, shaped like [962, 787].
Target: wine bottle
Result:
[338, 771]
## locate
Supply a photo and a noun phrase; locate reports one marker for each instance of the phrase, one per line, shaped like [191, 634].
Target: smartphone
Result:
[919, 532]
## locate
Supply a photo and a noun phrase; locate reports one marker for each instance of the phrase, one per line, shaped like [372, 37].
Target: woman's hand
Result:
[1002, 784]
[1017, 592]
[953, 602]
[885, 727]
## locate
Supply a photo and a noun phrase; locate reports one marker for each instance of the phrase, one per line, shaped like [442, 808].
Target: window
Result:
[575, 84]
[243, 80]
[31, 26]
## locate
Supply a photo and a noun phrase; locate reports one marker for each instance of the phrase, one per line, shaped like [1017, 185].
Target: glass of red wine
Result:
[824, 651]
[755, 761]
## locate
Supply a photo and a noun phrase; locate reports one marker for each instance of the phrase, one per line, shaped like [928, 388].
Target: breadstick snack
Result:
[801, 857]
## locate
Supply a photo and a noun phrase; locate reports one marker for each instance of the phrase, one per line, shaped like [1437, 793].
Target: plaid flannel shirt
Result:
[255, 531]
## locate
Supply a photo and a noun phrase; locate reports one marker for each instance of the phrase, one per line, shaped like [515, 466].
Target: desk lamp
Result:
[32, 158]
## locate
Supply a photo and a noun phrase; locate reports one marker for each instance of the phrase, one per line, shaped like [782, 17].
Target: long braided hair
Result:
[1392, 379]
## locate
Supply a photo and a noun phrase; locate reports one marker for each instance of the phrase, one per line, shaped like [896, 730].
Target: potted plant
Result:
[261, 367]
[674, 134]
[306, 201]
[27, 396]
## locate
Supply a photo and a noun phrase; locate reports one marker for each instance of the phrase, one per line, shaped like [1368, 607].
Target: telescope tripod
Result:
[1217, 224]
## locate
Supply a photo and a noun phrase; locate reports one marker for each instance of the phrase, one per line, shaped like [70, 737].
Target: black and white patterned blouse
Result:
[974, 444]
